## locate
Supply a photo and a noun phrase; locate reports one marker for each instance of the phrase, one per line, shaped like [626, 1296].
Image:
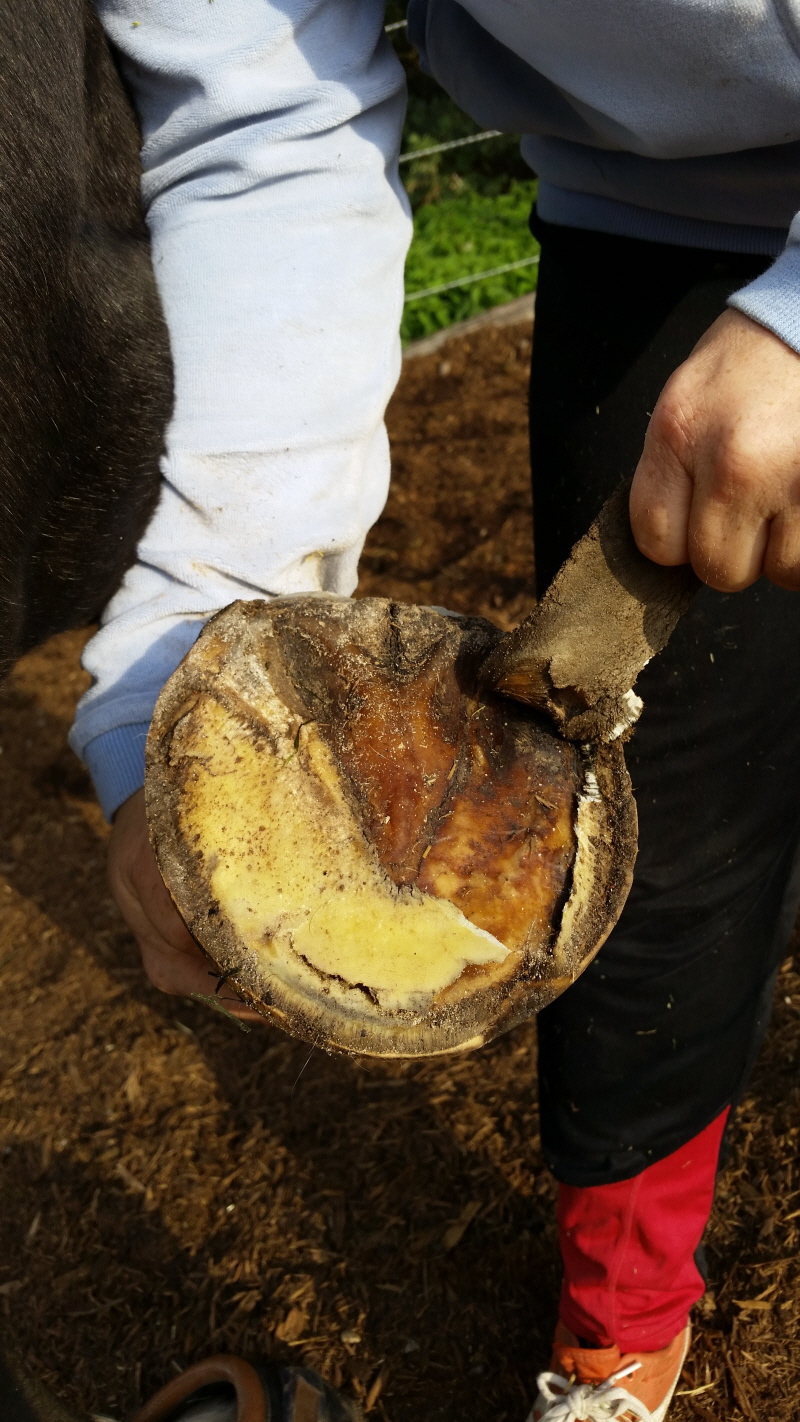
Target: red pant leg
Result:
[630, 1276]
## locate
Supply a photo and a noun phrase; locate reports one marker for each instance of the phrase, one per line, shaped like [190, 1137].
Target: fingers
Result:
[140, 892]
[698, 501]
[718, 483]
[171, 958]
[782, 555]
[171, 970]
[182, 973]
[661, 496]
[712, 518]
[728, 537]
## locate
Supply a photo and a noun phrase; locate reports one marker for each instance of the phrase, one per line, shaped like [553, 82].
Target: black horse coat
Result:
[85, 376]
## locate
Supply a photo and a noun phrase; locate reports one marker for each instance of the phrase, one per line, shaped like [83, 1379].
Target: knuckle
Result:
[717, 567]
[668, 429]
[674, 417]
[782, 569]
[659, 514]
[657, 546]
[720, 578]
[786, 578]
[737, 470]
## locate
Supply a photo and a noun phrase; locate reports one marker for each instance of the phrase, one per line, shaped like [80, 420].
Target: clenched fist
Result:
[718, 483]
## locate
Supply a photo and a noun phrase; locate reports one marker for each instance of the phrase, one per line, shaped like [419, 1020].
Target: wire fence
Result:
[473, 277]
[468, 279]
[476, 276]
[451, 143]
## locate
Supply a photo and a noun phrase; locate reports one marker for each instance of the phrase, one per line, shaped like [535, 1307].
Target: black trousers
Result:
[659, 1034]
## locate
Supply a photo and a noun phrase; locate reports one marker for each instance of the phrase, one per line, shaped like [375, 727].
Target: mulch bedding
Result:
[172, 1186]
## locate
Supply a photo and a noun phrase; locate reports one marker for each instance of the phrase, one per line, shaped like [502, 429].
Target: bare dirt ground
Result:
[172, 1186]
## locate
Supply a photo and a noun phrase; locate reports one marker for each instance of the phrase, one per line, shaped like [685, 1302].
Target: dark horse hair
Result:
[85, 375]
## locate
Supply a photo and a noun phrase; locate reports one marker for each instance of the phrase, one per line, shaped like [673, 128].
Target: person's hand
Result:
[170, 957]
[718, 483]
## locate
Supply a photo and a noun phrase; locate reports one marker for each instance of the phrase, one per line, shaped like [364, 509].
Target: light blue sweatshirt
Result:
[279, 230]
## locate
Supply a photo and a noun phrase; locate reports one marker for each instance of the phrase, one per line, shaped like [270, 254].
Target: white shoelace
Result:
[590, 1402]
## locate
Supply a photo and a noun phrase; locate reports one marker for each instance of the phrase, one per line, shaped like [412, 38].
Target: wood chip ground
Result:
[172, 1186]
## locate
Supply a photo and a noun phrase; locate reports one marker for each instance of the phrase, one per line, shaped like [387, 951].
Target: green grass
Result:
[460, 236]
[470, 205]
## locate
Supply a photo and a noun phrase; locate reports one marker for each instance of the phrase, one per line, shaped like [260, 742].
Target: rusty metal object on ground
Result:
[223, 1368]
[232, 1390]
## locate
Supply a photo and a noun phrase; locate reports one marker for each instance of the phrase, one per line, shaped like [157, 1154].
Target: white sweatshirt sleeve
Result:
[279, 230]
[773, 299]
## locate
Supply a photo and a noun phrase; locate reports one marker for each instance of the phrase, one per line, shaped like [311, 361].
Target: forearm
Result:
[278, 245]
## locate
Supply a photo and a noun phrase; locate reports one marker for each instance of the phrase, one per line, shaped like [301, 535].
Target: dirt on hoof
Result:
[173, 1186]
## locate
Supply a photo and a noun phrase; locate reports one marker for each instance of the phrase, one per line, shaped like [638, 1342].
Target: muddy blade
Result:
[606, 613]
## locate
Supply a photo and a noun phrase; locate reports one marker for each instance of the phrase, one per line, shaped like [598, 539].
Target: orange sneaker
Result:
[604, 1385]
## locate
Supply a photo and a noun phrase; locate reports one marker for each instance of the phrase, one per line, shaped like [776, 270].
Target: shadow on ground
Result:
[171, 1185]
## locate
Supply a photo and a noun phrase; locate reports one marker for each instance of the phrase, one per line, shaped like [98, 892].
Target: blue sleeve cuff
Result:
[773, 299]
[115, 762]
